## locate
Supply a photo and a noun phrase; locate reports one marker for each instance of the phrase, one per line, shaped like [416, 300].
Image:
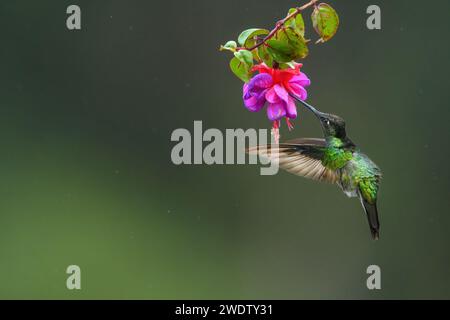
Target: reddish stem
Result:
[280, 24]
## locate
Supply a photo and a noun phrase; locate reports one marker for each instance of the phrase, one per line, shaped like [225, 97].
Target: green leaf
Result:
[280, 51]
[265, 56]
[244, 56]
[288, 46]
[297, 23]
[240, 69]
[247, 37]
[297, 41]
[325, 21]
[230, 46]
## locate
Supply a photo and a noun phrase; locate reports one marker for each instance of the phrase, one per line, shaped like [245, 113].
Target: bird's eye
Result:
[328, 122]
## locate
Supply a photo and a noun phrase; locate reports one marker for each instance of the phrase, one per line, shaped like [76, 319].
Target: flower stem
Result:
[281, 23]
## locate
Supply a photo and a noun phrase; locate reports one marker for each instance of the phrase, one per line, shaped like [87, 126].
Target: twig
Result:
[281, 23]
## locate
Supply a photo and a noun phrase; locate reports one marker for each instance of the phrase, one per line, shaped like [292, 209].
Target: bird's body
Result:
[335, 159]
[358, 175]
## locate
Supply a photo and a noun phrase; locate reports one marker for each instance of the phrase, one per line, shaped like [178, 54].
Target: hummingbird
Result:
[334, 159]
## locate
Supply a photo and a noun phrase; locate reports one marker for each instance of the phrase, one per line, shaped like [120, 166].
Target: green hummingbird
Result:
[335, 159]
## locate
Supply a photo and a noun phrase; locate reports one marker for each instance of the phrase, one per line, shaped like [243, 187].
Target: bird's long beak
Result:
[316, 112]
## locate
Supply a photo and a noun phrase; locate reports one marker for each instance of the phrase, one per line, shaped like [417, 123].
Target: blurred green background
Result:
[86, 176]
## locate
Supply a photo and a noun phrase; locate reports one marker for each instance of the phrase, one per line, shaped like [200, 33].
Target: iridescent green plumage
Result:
[358, 176]
[367, 176]
[334, 159]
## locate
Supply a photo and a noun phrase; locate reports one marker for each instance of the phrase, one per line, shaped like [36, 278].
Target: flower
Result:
[275, 86]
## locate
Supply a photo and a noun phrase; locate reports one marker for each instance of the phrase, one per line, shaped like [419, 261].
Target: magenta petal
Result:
[257, 85]
[255, 91]
[301, 79]
[256, 107]
[260, 82]
[245, 89]
[298, 91]
[250, 101]
[272, 96]
[276, 111]
[255, 103]
[291, 109]
[281, 93]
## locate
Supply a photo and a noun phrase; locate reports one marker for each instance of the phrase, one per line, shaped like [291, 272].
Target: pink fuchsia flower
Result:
[275, 87]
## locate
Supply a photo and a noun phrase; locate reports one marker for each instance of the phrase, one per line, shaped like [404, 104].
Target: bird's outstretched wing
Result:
[302, 157]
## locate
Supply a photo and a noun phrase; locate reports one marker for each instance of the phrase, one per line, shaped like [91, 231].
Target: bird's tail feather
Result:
[372, 217]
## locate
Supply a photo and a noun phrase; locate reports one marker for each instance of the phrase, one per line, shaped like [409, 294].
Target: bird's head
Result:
[332, 125]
